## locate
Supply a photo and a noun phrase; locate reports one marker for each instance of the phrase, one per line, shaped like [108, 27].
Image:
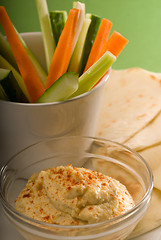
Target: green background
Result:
[138, 20]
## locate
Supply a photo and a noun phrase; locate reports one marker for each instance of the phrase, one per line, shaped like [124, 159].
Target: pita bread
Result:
[152, 218]
[147, 137]
[132, 98]
[131, 114]
[153, 157]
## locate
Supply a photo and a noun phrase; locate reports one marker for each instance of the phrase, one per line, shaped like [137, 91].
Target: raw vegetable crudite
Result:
[63, 51]
[77, 46]
[99, 42]
[58, 19]
[46, 28]
[6, 51]
[9, 88]
[63, 88]
[28, 72]
[6, 65]
[91, 35]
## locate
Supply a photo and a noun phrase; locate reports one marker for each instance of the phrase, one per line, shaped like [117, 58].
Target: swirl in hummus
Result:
[68, 195]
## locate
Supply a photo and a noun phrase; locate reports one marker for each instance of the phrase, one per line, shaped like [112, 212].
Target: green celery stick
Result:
[76, 59]
[46, 28]
[61, 89]
[91, 35]
[6, 52]
[94, 73]
[6, 65]
[58, 19]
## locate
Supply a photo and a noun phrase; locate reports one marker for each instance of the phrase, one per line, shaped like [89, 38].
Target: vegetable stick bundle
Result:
[75, 43]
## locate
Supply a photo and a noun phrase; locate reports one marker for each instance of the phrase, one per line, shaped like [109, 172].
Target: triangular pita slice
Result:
[152, 218]
[132, 98]
[153, 157]
[147, 137]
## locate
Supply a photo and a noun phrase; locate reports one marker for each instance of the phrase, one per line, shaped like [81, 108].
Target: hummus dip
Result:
[68, 195]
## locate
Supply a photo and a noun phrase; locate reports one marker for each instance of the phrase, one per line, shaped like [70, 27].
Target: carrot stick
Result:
[115, 44]
[27, 70]
[63, 51]
[99, 42]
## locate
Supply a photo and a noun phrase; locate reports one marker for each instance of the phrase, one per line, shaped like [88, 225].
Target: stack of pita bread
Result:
[131, 114]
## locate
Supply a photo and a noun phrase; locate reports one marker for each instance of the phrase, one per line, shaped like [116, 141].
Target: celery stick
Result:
[46, 28]
[91, 35]
[60, 90]
[6, 65]
[6, 52]
[76, 59]
[79, 24]
[88, 15]
[58, 19]
[94, 73]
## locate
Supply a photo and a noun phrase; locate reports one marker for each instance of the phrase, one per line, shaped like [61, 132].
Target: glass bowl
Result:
[105, 156]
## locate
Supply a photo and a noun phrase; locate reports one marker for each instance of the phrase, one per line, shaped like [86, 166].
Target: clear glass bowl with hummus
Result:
[103, 175]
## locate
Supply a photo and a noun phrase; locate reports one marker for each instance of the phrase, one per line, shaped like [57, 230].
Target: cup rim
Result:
[113, 221]
[102, 82]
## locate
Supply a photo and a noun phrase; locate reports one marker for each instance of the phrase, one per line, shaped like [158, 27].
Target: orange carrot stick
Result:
[27, 70]
[63, 51]
[115, 44]
[99, 42]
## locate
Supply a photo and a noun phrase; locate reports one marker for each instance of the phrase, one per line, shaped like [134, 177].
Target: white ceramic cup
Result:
[22, 124]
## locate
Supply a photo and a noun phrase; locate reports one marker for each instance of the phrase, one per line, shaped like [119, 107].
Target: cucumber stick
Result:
[58, 20]
[6, 52]
[46, 28]
[94, 73]
[76, 59]
[61, 89]
[9, 87]
[91, 35]
[6, 65]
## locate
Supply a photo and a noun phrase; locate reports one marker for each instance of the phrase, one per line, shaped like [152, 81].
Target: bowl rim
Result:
[113, 221]
[102, 82]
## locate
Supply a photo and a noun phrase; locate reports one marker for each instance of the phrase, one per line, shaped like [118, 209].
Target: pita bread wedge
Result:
[132, 98]
[153, 158]
[147, 137]
[152, 218]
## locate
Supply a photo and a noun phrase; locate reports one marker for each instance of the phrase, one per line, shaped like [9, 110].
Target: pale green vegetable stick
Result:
[6, 51]
[46, 28]
[61, 89]
[94, 73]
[76, 59]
